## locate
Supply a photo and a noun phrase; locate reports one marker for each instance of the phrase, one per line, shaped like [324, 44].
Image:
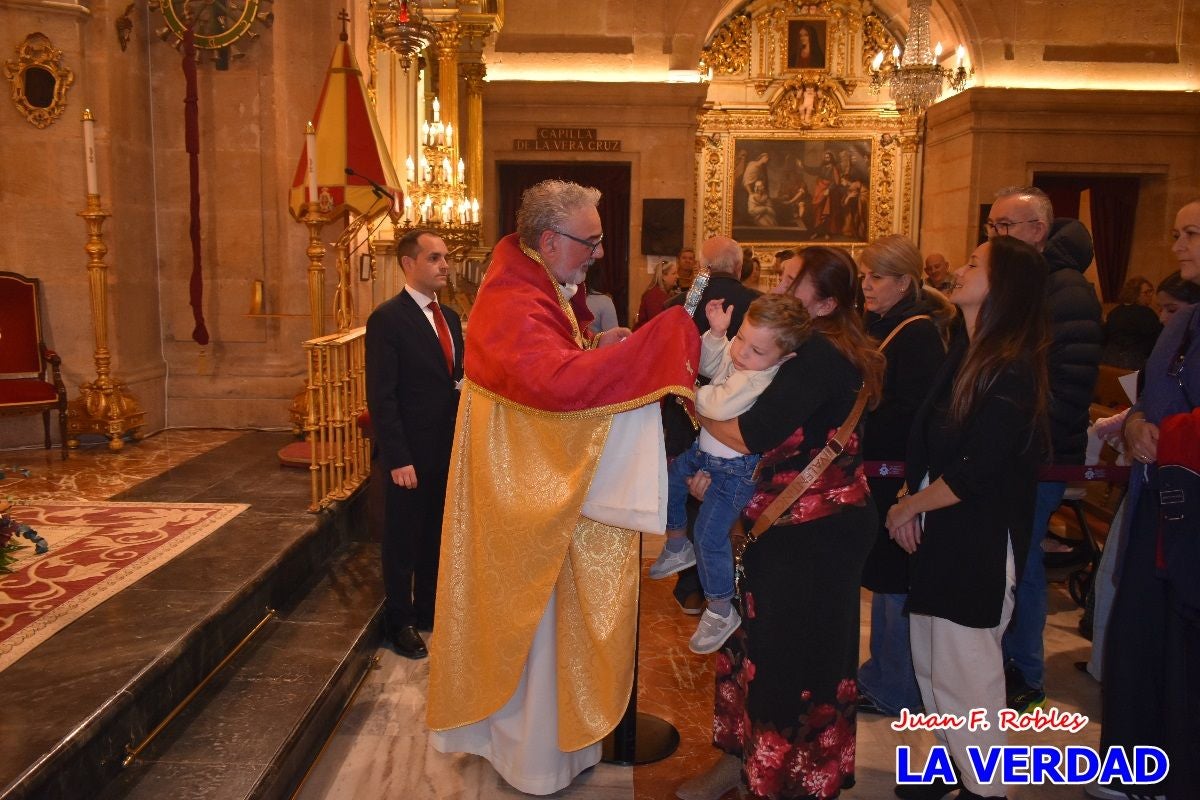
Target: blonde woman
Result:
[890, 271]
[664, 287]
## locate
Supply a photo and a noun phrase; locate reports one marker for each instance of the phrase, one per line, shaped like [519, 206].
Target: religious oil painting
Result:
[801, 190]
[805, 44]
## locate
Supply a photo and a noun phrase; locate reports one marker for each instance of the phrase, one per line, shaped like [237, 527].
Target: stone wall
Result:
[984, 139]
[655, 122]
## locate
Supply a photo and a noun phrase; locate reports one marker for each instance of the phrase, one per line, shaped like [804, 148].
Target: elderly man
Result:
[1025, 213]
[557, 465]
[687, 267]
[723, 258]
[937, 273]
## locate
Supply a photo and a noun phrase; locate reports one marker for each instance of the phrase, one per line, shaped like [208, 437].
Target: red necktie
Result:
[443, 333]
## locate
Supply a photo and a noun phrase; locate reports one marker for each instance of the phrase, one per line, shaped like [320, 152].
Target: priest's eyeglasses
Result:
[585, 242]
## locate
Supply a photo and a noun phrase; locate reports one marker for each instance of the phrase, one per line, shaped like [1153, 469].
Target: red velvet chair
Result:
[25, 359]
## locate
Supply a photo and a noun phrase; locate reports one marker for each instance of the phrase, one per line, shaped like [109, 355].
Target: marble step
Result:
[71, 707]
[256, 728]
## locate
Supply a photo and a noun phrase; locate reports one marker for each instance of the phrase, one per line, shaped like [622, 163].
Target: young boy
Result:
[774, 326]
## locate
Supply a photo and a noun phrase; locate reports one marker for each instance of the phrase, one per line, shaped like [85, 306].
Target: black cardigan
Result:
[914, 357]
[990, 463]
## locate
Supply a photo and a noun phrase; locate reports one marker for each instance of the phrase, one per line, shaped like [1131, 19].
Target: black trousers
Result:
[1151, 689]
[412, 539]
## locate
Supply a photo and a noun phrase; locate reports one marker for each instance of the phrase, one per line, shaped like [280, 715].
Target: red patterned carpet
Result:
[96, 550]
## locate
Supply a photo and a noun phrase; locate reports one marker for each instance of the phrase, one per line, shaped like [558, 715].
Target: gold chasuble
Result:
[537, 407]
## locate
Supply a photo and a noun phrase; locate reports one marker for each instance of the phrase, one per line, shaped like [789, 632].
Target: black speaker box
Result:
[662, 227]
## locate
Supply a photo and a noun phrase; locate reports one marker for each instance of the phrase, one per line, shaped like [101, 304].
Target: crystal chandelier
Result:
[402, 29]
[436, 196]
[915, 80]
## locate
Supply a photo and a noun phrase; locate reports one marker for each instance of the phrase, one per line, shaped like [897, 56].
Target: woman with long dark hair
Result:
[971, 477]
[786, 688]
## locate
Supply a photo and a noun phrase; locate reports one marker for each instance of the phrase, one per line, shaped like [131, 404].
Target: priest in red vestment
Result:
[558, 465]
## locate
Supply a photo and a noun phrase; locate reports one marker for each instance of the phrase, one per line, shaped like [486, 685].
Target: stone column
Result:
[473, 143]
[449, 35]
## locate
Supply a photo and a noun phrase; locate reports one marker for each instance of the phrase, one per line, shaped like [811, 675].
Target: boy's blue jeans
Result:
[732, 487]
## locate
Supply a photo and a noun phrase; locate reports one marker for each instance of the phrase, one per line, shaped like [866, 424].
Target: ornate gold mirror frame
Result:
[39, 80]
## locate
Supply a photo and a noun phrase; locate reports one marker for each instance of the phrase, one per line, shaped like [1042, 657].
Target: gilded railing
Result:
[337, 396]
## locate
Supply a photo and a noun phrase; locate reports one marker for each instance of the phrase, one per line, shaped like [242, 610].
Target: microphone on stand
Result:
[375, 187]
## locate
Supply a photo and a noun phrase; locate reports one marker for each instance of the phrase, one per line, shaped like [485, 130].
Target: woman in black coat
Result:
[971, 476]
[895, 303]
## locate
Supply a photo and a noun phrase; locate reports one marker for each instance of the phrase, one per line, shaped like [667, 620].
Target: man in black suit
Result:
[723, 258]
[414, 368]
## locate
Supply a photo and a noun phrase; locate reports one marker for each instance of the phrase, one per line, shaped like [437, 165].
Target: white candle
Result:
[449, 134]
[89, 151]
[407, 209]
[310, 149]
[410, 169]
[937, 51]
[462, 171]
[958, 52]
[425, 131]
[877, 62]
[425, 209]
[437, 110]
[896, 53]
[475, 211]
[446, 176]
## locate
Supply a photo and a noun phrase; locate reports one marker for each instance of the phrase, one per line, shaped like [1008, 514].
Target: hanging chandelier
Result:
[401, 28]
[436, 195]
[915, 79]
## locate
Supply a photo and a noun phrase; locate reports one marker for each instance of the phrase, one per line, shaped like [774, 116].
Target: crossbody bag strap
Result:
[810, 473]
[883, 345]
[808, 476]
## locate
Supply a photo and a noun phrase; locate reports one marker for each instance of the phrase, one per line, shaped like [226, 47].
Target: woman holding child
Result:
[785, 700]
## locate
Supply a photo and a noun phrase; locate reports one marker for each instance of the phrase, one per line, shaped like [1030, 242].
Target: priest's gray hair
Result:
[548, 205]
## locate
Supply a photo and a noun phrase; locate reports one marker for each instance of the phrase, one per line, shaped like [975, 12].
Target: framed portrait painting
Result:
[806, 40]
[801, 190]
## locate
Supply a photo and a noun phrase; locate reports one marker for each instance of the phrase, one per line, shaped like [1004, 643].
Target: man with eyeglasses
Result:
[1025, 213]
[557, 466]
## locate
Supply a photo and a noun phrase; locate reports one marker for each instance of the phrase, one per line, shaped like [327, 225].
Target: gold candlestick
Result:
[316, 268]
[104, 406]
[298, 412]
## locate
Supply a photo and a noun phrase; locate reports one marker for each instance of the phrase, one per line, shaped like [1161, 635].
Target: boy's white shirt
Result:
[731, 393]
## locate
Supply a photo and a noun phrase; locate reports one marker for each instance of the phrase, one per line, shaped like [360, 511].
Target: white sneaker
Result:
[712, 631]
[669, 563]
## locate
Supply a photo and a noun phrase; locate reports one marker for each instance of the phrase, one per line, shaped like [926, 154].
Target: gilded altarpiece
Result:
[793, 149]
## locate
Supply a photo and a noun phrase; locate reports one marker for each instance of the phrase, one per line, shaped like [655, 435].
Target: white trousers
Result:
[958, 669]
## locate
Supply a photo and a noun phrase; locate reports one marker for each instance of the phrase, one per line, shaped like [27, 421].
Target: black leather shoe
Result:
[408, 642]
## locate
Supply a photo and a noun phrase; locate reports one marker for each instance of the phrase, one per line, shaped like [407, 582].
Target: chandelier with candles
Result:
[401, 28]
[436, 196]
[916, 78]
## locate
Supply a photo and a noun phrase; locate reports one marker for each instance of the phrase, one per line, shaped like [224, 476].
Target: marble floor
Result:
[380, 750]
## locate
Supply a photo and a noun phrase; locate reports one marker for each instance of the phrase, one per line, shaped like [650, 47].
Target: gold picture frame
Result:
[39, 80]
[805, 44]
